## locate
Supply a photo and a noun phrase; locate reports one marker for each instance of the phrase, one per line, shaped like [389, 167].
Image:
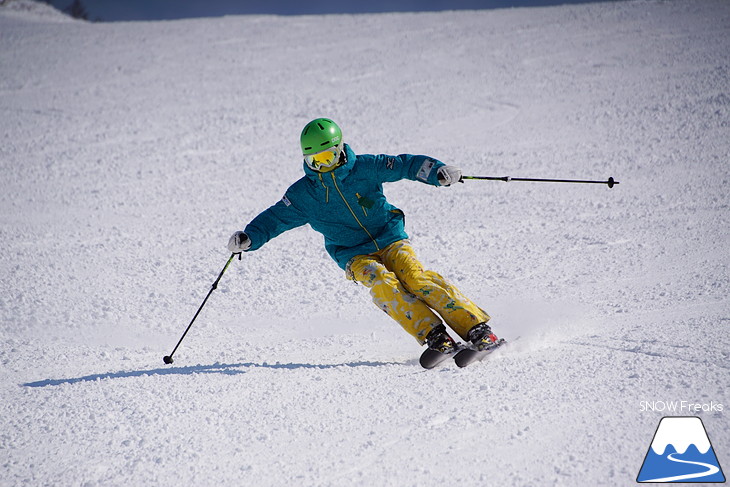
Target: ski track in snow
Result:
[131, 151]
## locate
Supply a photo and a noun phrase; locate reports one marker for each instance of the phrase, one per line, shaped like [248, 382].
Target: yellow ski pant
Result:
[411, 295]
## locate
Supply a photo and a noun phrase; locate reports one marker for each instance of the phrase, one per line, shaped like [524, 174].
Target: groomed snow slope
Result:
[131, 151]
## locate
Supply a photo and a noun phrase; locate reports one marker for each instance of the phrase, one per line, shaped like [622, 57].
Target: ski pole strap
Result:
[610, 182]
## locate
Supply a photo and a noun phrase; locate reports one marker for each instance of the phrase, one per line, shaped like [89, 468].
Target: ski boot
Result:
[482, 338]
[438, 339]
[483, 342]
[440, 346]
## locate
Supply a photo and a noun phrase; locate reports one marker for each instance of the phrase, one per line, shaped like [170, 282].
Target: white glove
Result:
[448, 175]
[239, 242]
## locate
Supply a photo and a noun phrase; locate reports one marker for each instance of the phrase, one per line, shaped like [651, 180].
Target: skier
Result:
[341, 196]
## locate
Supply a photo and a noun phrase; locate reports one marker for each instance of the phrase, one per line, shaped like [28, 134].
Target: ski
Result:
[469, 355]
[430, 358]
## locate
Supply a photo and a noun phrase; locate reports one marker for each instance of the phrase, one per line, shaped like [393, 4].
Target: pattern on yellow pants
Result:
[410, 294]
[391, 296]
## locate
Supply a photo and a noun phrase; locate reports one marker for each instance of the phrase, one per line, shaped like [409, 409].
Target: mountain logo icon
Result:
[681, 452]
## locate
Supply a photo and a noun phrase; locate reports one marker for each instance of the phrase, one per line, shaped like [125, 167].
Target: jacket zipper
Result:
[326, 189]
[352, 212]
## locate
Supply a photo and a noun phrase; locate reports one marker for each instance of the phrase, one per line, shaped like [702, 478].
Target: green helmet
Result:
[320, 134]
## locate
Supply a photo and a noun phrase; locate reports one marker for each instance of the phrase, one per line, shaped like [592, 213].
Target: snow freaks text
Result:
[680, 407]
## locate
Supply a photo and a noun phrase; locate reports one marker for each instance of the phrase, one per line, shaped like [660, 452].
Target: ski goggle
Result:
[323, 160]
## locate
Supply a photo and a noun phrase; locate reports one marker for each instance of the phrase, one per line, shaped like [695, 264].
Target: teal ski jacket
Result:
[346, 205]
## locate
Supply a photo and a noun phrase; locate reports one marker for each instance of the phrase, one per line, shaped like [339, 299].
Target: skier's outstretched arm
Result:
[270, 223]
[416, 168]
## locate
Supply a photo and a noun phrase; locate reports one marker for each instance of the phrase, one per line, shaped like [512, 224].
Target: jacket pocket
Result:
[365, 203]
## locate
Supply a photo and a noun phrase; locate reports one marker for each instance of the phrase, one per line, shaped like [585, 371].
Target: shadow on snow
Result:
[227, 369]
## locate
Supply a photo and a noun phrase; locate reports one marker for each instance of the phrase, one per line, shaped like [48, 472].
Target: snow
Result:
[131, 151]
[30, 10]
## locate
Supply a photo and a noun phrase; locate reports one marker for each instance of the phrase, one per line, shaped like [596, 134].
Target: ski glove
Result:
[448, 175]
[239, 242]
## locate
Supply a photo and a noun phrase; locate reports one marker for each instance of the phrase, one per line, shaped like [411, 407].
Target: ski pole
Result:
[611, 182]
[168, 358]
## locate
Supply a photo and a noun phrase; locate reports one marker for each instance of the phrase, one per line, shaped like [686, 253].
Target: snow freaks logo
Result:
[680, 407]
[681, 452]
